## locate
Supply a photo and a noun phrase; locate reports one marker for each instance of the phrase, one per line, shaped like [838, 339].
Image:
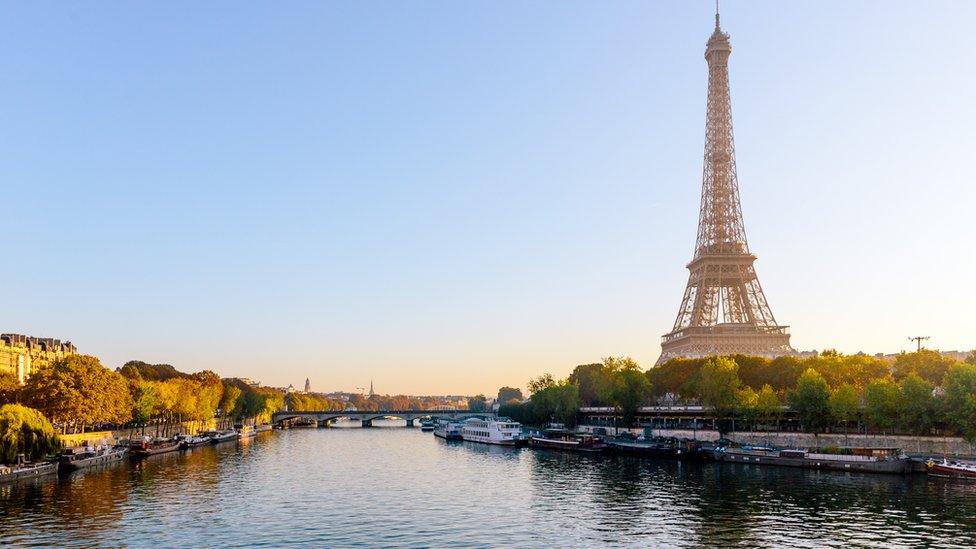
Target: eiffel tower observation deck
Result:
[724, 310]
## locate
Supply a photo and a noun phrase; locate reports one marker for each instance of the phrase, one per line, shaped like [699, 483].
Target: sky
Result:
[449, 197]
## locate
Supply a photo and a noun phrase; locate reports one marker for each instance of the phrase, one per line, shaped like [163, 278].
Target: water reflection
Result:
[400, 486]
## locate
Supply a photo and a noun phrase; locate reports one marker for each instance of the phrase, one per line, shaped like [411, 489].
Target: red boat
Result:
[952, 469]
[147, 447]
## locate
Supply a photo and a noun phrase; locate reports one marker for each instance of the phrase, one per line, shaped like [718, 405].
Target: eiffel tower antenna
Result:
[724, 310]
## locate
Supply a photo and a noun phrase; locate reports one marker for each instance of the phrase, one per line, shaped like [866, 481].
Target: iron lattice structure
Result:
[724, 310]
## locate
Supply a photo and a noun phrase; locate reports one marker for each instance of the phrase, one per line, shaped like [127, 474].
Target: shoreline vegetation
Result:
[921, 393]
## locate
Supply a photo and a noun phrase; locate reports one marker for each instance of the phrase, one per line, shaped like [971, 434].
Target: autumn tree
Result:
[960, 399]
[78, 391]
[9, 388]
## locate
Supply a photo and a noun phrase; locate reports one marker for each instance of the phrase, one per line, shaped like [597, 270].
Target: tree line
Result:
[918, 393]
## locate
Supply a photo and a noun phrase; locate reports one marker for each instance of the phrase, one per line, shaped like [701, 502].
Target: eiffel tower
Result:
[724, 310]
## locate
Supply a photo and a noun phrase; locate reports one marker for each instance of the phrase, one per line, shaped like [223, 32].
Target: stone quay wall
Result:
[914, 445]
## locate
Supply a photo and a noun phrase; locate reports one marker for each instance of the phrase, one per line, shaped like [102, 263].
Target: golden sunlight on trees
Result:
[25, 431]
[77, 391]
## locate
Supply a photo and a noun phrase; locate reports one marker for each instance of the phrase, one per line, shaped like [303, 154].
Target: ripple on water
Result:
[403, 487]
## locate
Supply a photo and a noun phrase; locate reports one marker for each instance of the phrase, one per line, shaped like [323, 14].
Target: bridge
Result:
[325, 419]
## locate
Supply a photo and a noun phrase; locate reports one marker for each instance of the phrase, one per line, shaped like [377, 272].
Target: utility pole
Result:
[919, 340]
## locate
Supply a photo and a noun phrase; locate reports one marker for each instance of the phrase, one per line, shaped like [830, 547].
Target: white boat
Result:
[427, 425]
[448, 430]
[493, 431]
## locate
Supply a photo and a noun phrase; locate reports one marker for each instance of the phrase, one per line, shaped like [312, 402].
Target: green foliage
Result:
[882, 403]
[928, 365]
[768, 405]
[960, 399]
[145, 396]
[229, 398]
[478, 403]
[917, 412]
[718, 384]
[628, 387]
[506, 394]
[542, 382]
[593, 383]
[25, 431]
[844, 403]
[77, 390]
[810, 400]
[747, 402]
[303, 402]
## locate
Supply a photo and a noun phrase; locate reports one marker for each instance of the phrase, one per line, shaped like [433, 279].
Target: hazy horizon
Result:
[448, 199]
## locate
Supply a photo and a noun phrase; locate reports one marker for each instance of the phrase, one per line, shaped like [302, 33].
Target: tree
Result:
[960, 399]
[77, 390]
[882, 403]
[9, 388]
[844, 403]
[542, 382]
[145, 396]
[719, 384]
[630, 388]
[810, 400]
[747, 402]
[917, 413]
[25, 431]
[478, 403]
[557, 402]
[229, 398]
[929, 365]
[768, 405]
[506, 394]
[593, 381]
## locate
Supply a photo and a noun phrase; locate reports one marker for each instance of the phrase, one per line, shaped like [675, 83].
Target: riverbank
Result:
[915, 445]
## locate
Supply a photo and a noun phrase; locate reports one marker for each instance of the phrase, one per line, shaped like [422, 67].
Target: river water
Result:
[392, 486]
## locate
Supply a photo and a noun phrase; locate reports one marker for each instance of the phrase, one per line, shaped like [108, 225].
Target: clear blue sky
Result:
[452, 196]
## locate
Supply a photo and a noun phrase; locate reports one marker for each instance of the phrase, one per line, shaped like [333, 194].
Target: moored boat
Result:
[190, 441]
[448, 430]
[865, 460]
[562, 439]
[245, 431]
[226, 435]
[26, 470]
[427, 425]
[264, 427]
[150, 447]
[952, 469]
[658, 448]
[500, 431]
[72, 459]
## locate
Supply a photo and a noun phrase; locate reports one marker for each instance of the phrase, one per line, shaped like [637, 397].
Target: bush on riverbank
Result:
[25, 431]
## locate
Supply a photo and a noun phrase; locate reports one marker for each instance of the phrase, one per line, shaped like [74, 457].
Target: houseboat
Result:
[245, 431]
[448, 430]
[658, 447]
[226, 435]
[952, 469]
[562, 439]
[427, 425]
[190, 441]
[493, 431]
[150, 447]
[26, 470]
[72, 459]
[864, 460]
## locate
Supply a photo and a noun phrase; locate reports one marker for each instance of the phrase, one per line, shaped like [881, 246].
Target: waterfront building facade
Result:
[724, 310]
[23, 355]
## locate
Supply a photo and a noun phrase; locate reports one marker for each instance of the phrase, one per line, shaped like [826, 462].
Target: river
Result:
[392, 486]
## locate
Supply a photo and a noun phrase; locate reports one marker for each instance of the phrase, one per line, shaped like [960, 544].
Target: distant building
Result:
[308, 386]
[23, 355]
[250, 382]
[290, 389]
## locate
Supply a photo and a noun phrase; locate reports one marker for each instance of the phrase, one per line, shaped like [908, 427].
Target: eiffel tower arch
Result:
[724, 310]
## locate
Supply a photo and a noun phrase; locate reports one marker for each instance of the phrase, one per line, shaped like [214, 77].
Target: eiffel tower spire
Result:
[724, 309]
